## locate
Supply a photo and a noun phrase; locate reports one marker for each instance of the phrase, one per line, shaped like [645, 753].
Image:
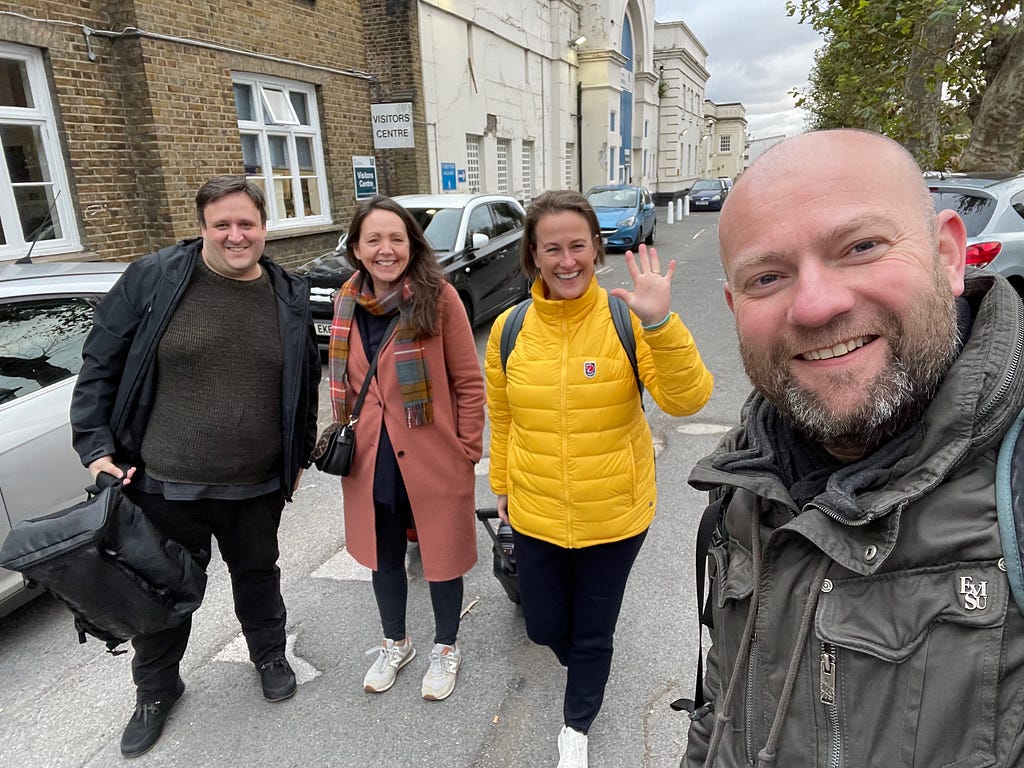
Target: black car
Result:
[476, 239]
[708, 194]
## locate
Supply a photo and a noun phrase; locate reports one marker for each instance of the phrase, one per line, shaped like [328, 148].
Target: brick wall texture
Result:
[151, 118]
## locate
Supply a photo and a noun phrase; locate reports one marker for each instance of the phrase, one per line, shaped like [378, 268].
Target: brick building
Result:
[113, 113]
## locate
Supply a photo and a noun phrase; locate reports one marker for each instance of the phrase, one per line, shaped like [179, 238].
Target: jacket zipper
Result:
[829, 677]
[749, 705]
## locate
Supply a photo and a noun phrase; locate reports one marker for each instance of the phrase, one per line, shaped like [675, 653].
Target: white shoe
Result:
[390, 659]
[572, 748]
[439, 682]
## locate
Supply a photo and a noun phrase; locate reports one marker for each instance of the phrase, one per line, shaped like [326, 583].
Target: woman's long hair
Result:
[423, 271]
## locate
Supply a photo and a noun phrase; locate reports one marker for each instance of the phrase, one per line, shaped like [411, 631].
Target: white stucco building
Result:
[559, 94]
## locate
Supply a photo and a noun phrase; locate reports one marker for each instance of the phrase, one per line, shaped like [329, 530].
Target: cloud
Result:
[756, 55]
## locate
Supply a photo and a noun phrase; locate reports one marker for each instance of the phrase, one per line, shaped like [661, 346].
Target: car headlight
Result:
[627, 222]
[716, 197]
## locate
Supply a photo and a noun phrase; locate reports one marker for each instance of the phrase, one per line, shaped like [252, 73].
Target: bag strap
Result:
[358, 405]
[1009, 485]
[711, 532]
[620, 319]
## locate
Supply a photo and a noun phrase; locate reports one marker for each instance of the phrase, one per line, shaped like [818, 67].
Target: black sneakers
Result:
[147, 723]
[278, 679]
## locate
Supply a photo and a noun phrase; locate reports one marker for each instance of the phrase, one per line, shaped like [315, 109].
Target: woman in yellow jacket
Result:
[572, 461]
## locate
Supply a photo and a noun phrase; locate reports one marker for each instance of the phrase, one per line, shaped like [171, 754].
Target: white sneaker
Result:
[390, 659]
[439, 682]
[572, 748]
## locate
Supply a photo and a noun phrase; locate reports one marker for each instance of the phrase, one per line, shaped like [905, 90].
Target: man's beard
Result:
[922, 347]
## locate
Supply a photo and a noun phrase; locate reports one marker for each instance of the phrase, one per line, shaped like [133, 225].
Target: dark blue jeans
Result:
[391, 583]
[571, 600]
[246, 532]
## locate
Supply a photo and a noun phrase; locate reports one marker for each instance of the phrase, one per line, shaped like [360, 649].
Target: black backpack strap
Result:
[510, 331]
[1010, 506]
[624, 328]
[711, 532]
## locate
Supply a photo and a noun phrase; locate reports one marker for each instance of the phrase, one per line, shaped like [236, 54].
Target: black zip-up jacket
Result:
[116, 385]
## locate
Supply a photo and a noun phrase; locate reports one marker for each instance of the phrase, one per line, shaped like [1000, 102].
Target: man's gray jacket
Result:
[114, 393]
[891, 642]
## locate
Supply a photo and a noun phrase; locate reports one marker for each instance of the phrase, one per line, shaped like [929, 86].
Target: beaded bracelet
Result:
[658, 325]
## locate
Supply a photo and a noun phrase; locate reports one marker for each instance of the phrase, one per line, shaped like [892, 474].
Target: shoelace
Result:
[273, 663]
[148, 711]
[441, 663]
[392, 656]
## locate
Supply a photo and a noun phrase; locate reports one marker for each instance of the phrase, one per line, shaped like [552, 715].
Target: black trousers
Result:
[246, 532]
[571, 600]
[391, 582]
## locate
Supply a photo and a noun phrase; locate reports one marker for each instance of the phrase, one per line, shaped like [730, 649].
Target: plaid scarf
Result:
[410, 364]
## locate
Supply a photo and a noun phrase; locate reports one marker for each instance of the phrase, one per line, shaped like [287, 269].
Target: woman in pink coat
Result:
[419, 433]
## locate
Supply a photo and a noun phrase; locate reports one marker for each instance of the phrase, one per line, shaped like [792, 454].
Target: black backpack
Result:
[110, 565]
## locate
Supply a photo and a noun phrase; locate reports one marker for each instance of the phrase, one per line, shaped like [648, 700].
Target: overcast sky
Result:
[756, 55]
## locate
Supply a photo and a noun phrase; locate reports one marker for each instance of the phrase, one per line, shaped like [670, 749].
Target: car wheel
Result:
[650, 237]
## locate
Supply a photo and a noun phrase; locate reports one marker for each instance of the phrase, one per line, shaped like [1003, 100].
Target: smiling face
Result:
[565, 254]
[842, 281]
[234, 235]
[382, 248]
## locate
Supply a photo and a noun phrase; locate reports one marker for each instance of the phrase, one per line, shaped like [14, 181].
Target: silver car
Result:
[993, 210]
[45, 314]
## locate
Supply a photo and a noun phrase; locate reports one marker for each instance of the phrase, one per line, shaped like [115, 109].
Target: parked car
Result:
[476, 239]
[708, 194]
[993, 210]
[626, 215]
[45, 315]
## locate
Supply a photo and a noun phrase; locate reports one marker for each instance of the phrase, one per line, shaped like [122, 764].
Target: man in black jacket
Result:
[200, 376]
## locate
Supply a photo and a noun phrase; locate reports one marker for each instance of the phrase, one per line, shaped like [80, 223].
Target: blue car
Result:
[626, 215]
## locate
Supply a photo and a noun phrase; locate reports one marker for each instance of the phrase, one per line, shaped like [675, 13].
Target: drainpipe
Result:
[579, 130]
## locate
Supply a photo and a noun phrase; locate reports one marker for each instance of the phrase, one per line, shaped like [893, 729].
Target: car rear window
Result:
[974, 209]
[41, 343]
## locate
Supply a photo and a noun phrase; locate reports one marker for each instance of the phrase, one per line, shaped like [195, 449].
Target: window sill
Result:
[317, 229]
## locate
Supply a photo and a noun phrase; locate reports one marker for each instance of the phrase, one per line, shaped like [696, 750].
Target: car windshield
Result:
[974, 209]
[613, 198]
[440, 225]
[702, 184]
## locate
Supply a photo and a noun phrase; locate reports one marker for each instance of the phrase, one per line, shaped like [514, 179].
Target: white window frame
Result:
[473, 162]
[725, 143]
[503, 149]
[527, 172]
[41, 117]
[570, 159]
[271, 95]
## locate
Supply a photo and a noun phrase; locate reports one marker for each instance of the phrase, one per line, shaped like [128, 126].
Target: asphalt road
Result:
[64, 705]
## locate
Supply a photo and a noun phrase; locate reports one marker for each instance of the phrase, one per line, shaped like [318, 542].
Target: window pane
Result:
[23, 150]
[34, 204]
[304, 153]
[279, 154]
[299, 105]
[40, 343]
[243, 102]
[975, 210]
[285, 200]
[251, 159]
[311, 195]
[277, 106]
[14, 90]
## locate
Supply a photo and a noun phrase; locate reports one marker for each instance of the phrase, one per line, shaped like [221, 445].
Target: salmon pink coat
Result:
[436, 459]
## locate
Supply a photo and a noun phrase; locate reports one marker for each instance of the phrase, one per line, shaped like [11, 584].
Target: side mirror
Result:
[480, 240]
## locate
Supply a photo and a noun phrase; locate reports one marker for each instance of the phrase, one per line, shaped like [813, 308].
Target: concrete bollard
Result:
[679, 209]
[671, 210]
[686, 205]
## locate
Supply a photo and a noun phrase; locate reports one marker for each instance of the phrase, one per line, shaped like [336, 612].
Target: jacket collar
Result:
[571, 310]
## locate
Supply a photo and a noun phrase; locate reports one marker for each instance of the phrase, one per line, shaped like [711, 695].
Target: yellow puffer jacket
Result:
[570, 445]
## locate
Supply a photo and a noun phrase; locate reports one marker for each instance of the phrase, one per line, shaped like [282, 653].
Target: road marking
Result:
[703, 429]
[697, 234]
[237, 652]
[342, 567]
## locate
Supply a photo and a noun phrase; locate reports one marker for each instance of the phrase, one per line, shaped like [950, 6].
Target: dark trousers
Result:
[246, 532]
[571, 600]
[391, 583]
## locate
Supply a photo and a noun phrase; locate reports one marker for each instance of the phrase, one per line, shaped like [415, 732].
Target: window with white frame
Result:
[282, 152]
[527, 172]
[502, 166]
[473, 162]
[35, 201]
[570, 168]
[725, 143]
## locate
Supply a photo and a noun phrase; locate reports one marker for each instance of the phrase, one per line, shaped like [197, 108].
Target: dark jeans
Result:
[246, 532]
[571, 600]
[391, 583]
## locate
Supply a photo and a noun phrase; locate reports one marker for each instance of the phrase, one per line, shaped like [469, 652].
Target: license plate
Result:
[322, 329]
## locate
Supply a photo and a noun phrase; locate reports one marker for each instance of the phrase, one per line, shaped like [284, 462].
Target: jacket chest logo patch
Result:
[590, 369]
[973, 594]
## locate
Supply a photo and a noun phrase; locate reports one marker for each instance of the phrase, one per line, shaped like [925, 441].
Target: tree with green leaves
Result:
[943, 77]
